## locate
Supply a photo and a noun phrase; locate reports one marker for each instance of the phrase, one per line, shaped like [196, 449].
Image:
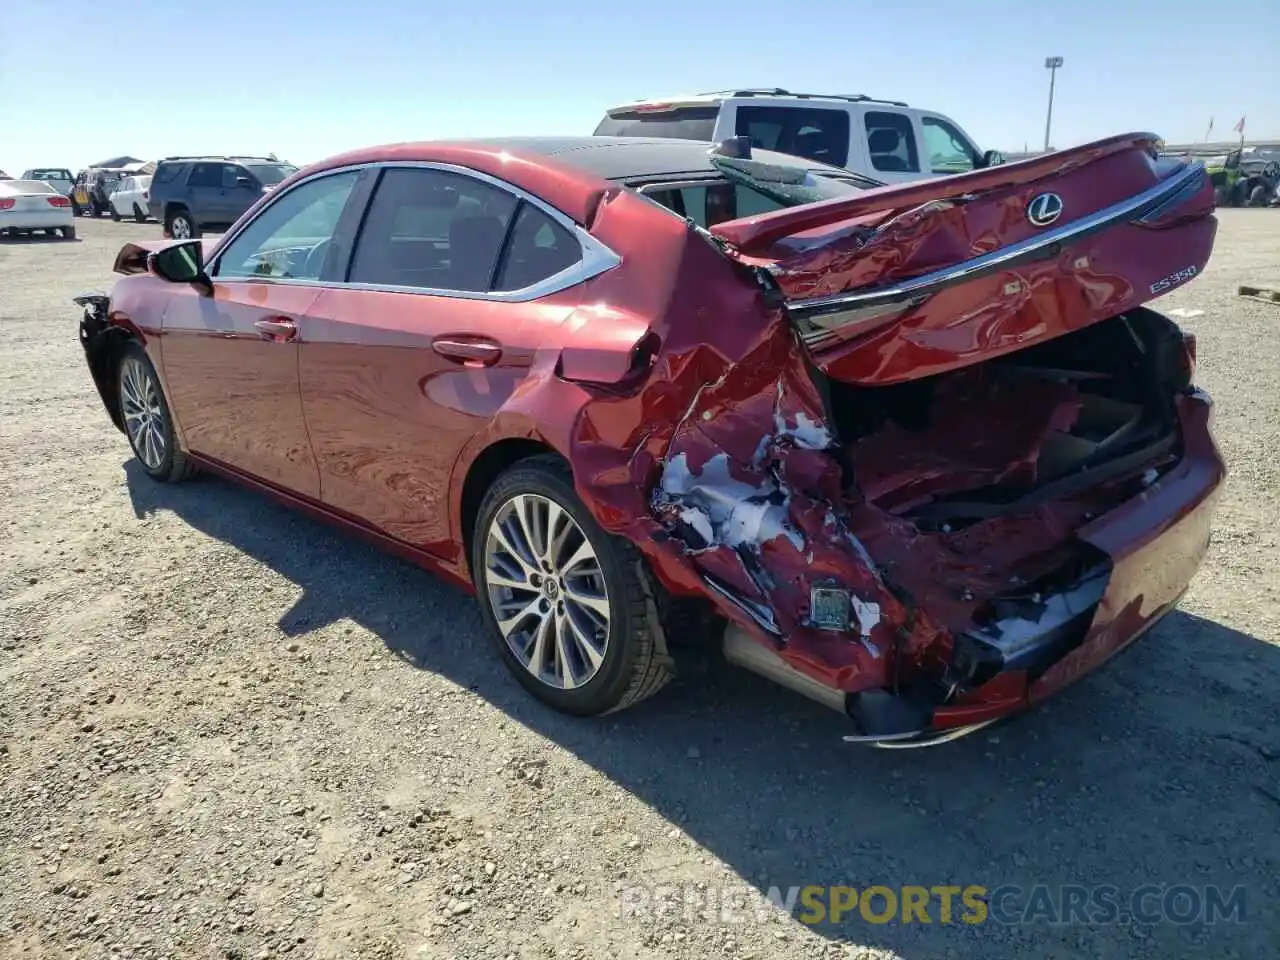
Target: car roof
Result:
[716, 97]
[635, 158]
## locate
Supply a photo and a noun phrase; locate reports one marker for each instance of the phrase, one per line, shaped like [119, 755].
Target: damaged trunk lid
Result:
[903, 282]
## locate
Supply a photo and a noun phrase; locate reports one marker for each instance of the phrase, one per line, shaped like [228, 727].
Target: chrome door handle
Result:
[277, 329]
[471, 353]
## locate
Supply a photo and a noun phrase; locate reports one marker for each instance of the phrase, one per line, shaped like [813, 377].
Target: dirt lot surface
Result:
[229, 731]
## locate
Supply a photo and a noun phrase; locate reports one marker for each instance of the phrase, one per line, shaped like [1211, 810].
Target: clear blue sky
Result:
[84, 79]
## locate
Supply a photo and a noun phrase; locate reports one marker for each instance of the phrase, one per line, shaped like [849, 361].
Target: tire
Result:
[139, 214]
[76, 209]
[148, 422]
[634, 663]
[181, 219]
[68, 233]
[1258, 196]
[115, 214]
[95, 208]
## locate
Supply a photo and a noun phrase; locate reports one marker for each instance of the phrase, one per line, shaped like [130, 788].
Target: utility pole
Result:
[1051, 64]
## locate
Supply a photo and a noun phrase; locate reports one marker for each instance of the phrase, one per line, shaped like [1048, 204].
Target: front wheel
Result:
[139, 214]
[115, 214]
[570, 608]
[147, 421]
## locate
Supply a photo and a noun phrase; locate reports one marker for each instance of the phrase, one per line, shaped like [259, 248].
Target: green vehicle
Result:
[1239, 182]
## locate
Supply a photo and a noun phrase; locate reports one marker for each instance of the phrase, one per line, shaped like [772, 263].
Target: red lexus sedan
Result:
[919, 452]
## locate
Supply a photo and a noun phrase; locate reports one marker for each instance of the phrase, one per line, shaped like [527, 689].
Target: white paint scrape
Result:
[725, 510]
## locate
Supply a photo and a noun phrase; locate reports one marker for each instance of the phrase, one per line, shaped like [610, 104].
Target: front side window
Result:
[288, 239]
[892, 142]
[821, 135]
[432, 230]
[946, 147]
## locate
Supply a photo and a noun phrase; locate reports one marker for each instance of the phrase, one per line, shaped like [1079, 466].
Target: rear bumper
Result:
[36, 219]
[1154, 544]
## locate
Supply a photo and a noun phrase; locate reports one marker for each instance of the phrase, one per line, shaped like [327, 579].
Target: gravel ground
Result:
[229, 731]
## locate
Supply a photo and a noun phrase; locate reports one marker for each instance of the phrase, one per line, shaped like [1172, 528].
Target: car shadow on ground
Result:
[760, 778]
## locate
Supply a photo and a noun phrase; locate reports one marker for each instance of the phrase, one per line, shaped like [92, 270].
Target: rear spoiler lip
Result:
[763, 229]
[1144, 207]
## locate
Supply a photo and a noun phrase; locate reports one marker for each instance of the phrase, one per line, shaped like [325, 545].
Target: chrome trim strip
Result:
[1042, 246]
[596, 257]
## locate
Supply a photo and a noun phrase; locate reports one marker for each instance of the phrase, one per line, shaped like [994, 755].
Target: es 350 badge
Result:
[1182, 276]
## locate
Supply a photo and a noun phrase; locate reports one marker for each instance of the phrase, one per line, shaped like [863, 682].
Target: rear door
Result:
[454, 280]
[231, 359]
[205, 194]
[892, 143]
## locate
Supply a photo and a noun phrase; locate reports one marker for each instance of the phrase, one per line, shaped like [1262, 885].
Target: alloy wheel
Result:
[547, 591]
[180, 229]
[143, 413]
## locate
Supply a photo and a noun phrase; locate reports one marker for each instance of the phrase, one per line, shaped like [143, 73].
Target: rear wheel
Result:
[146, 418]
[570, 608]
[1258, 196]
[68, 233]
[139, 214]
[180, 225]
[115, 214]
[95, 208]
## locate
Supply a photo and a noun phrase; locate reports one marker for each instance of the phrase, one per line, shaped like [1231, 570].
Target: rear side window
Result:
[892, 142]
[537, 248]
[432, 230]
[821, 135]
[167, 172]
[682, 123]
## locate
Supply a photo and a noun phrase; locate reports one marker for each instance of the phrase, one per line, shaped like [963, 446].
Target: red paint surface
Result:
[677, 352]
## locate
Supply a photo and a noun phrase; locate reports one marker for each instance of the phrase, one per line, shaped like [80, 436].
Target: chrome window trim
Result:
[1137, 208]
[596, 258]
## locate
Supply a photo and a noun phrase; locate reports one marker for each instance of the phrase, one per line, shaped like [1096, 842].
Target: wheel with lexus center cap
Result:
[146, 418]
[569, 607]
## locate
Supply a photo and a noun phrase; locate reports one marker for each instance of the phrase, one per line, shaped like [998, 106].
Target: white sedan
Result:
[27, 205]
[130, 198]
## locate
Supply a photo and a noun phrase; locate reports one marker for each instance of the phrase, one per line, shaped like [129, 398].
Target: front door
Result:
[231, 359]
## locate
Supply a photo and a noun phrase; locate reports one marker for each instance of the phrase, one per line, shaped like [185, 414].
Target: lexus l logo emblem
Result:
[1044, 209]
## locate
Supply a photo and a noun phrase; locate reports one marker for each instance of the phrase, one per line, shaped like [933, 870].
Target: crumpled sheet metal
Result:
[726, 437]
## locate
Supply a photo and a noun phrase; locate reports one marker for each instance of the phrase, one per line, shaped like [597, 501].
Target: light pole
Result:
[1051, 64]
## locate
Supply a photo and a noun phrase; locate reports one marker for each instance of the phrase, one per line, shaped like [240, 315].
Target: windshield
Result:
[49, 175]
[790, 186]
[269, 174]
[685, 123]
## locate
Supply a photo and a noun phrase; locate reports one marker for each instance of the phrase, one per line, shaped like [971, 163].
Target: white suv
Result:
[883, 139]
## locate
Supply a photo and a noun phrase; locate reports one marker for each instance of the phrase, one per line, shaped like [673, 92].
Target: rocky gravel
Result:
[229, 731]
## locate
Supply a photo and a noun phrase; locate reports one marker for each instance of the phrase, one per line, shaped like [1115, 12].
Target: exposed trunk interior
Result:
[968, 487]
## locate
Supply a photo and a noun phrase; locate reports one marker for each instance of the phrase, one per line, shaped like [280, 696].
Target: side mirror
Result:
[180, 263]
[992, 158]
[246, 182]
